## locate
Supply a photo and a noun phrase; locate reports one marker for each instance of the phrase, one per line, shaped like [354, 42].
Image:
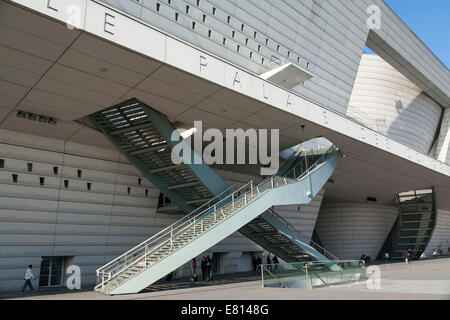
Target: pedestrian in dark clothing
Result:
[203, 266]
[269, 262]
[208, 269]
[275, 262]
[258, 263]
[410, 254]
[405, 255]
[27, 277]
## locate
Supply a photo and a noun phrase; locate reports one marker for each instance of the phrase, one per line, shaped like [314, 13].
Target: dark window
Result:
[238, 47]
[66, 184]
[259, 47]
[79, 172]
[232, 34]
[251, 54]
[176, 16]
[193, 24]
[88, 185]
[146, 192]
[41, 180]
[15, 177]
[51, 271]
[128, 190]
[242, 27]
[187, 9]
[168, 1]
[278, 47]
[214, 11]
[262, 61]
[2, 163]
[229, 18]
[55, 170]
[30, 166]
[298, 59]
[307, 64]
[157, 7]
[254, 34]
[289, 54]
[198, 3]
[267, 41]
[224, 41]
[246, 41]
[139, 181]
[209, 33]
[204, 17]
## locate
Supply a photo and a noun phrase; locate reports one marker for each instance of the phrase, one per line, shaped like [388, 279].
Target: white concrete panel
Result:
[387, 102]
[440, 238]
[349, 230]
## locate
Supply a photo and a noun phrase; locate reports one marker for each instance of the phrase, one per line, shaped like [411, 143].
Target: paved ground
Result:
[427, 279]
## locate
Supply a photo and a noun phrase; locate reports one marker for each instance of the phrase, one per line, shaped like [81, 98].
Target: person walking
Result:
[208, 269]
[405, 255]
[203, 266]
[28, 276]
[386, 256]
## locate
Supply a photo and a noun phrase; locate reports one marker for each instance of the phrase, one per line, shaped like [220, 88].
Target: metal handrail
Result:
[302, 235]
[164, 230]
[308, 169]
[174, 230]
[135, 255]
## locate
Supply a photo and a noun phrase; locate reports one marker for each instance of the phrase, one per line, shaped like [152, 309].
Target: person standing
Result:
[405, 255]
[208, 268]
[386, 256]
[275, 262]
[269, 262]
[28, 276]
[258, 263]
[193, 266]
[203, 266]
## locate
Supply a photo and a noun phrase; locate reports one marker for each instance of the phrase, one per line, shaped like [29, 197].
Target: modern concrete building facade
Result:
[68, 196]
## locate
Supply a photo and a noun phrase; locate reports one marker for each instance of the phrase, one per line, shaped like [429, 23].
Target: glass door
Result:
[52, 271]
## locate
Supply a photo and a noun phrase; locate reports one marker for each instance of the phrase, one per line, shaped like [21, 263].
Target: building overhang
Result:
[51, 70]
[288, 75]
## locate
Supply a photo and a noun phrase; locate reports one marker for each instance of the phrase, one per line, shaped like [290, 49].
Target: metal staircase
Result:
[414, 225]
[143, 134]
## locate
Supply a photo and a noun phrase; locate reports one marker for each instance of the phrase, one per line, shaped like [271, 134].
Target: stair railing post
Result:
[259, 192]
[251, 186]
[232, 200]
[262, 276]
[145, 257]
[245, 199]
[309, 284]
[171, 239]
[202, 227]
[215, 213]
[294, 173]
[271, 181]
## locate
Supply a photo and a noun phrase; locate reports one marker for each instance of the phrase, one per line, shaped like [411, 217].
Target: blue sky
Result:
[429, 20]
